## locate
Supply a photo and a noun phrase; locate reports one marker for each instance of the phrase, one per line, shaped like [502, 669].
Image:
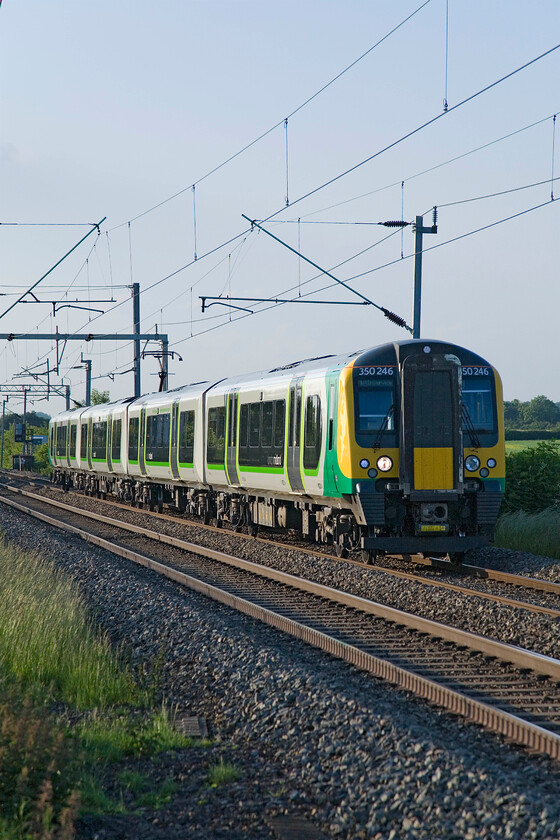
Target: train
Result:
[397, 449]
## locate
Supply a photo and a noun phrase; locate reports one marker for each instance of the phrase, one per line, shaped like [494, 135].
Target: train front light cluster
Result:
[472, 463]
[384, 463]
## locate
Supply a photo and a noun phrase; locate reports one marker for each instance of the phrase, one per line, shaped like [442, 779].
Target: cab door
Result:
[431, 440]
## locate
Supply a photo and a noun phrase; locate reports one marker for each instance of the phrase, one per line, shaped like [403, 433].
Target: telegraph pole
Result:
[419, 231]
[3, 416]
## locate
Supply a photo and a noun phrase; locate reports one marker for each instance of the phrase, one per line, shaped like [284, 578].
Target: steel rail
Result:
[501, 599]
[530, 735]
[520, 657]
[510, 578]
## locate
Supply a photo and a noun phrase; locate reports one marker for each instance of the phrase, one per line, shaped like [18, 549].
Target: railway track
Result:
[491, 584]
[506, 689]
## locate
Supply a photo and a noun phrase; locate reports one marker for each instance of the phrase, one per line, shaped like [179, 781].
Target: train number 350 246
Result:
[376, 371]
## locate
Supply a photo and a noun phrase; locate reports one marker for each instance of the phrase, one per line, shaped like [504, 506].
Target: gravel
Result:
[478, 615]
[310, 735]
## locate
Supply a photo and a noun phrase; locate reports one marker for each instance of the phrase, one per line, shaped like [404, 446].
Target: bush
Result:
[532, 434]
[533, 478]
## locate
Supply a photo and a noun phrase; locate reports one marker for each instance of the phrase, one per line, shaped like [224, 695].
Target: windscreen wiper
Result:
[469, 427]
[383, 426]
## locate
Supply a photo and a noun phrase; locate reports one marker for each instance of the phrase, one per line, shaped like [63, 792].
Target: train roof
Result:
[382, 354]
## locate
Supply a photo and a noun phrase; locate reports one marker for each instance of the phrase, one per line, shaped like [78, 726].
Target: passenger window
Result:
[216, 435]
[312, 433]
[186, 437]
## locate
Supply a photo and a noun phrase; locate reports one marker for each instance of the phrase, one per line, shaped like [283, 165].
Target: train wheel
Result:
[368, 557]
[456, 558]
[341, 550]
[160, 507]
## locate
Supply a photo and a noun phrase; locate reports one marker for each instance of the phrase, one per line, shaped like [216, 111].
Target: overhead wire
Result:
[281, 122]
[371, 271]
[409, 178]
[415, 131]
[363, 162]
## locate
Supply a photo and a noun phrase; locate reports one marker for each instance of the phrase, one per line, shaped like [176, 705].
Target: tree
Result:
[540, 413]
[513, 414]
[97, 398]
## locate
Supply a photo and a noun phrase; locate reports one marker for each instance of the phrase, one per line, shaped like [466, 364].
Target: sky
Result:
[115, 110]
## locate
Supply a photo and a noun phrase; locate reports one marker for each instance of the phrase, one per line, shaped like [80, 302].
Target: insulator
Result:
[434, 220]
[395, 224]
[396, 319]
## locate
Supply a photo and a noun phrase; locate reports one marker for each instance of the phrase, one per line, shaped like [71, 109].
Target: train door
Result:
[331, 485]
[109, 443]
[431, 444]
[89, 440]
[294, 436]
[174, 460]
[142, 442]
[231, 447]
[68, 436]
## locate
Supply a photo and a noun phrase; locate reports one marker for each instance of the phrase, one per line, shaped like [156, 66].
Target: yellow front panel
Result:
[433, 468]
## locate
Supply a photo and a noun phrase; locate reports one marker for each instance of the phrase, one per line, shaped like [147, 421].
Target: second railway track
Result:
[510, 690]
[538, 595]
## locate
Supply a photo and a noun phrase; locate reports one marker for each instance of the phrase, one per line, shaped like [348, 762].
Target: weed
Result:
[133, 780]
[159, 797]
[223, 773]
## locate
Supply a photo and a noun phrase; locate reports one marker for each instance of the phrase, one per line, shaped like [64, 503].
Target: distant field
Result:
[516, 445]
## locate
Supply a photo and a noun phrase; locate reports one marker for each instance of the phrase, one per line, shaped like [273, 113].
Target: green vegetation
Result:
[537, 533]
[70, 709]
[517, 445]
[533, 478]
[530, 519]
[46, 638]
[538, 413]
[97, 398]
[223, 773]
[11, 448]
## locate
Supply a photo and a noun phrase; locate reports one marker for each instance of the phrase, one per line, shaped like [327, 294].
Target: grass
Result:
[223, 773]
[517, 445]
[109, 738]
[52, 658]
[536, 533]
[47, 639]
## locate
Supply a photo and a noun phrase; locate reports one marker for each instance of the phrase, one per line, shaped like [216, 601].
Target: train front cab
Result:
[428, 447]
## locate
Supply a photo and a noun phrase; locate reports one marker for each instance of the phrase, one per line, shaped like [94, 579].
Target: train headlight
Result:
[491, 462]
[484, 473]
[364, 463]
[472, 463]
[384, 463]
